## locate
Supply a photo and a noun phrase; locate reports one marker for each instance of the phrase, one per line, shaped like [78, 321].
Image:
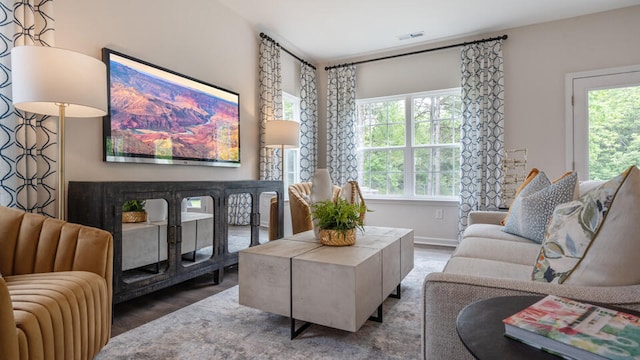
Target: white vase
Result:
[321, 187]
[321, 190]
[156, 209]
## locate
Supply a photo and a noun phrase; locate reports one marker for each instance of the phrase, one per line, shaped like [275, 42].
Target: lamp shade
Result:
[282, 133]
[44, 77]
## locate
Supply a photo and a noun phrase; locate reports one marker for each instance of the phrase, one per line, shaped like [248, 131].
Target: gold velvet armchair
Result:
[55, 287]
[299, 199]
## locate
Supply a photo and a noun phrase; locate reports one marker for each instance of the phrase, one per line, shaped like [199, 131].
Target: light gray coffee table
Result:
[339, 287]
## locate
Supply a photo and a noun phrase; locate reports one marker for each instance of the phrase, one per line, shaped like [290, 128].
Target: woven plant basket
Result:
[337, 238]
[356, 197]
[134, 216]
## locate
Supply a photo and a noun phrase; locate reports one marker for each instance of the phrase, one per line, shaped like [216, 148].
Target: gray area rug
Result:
[219, 328]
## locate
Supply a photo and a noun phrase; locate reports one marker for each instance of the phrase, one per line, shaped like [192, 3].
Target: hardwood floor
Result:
[135, 312]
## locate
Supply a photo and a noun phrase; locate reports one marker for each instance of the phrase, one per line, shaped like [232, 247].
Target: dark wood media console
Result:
[210, 240]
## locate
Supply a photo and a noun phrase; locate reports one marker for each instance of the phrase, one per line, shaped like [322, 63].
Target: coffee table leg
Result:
[397, 294]
[377, 318]
[294, 332]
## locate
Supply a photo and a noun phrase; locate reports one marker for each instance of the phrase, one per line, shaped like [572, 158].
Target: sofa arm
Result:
[445, 295]
[9, 337]
[486, 217]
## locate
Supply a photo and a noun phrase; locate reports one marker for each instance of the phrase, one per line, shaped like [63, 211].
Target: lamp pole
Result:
[62, 198]
[282, 161]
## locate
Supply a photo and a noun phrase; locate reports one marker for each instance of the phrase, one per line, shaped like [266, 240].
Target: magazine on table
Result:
[576, 330]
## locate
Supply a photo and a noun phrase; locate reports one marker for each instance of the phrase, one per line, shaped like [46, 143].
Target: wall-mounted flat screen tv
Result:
[159, 116]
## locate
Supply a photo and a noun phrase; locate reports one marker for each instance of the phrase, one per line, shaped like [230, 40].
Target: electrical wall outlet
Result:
[439, 214]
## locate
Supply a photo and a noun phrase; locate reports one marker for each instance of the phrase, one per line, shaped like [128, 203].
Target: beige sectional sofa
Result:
[488, 263]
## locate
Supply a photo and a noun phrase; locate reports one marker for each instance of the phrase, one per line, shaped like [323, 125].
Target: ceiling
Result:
[329, 30]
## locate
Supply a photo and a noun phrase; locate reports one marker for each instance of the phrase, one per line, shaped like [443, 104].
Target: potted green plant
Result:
[133, 211]
[338, 221]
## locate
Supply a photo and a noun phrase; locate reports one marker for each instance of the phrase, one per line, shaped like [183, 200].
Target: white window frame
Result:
[577, 86]
[408, 147]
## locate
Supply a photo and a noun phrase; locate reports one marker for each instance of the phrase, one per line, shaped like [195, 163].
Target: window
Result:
[291, 111]
[409, 145]
[605, 119]
[194, 203]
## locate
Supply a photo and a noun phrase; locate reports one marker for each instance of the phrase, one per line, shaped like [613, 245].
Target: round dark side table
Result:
[481, 330]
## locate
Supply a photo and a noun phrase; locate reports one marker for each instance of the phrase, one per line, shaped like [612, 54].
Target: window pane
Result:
[443, 109]
[396, 184]
[395, 172]
[437, 171]
[290, 111]
[379, 136]
[383, 172]
[382, 123]
[422, 108]
[396, 134]
[287, 110]
[444, 131]
[422, 133]
[422, 120]
[375, 161]
[292, 171]
[614, 131]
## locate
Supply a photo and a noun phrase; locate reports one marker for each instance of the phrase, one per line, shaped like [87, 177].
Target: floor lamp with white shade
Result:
[282, 134]
[54, 81]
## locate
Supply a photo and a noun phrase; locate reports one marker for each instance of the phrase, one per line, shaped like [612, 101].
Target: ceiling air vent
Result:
[411, 35]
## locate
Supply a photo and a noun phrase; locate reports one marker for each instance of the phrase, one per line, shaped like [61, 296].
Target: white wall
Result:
[206, 41]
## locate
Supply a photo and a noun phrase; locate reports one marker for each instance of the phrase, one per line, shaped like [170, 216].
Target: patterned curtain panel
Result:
[270, 78]
[239, 209]
[482, 128]
[342, 148]
[28, 143]
[308, 122]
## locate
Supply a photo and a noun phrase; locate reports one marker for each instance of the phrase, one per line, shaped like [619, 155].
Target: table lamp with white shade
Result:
[282, 134]
[54, 81]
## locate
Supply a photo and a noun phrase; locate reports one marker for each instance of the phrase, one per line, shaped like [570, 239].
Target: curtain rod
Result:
[503, 37]
[265, 36]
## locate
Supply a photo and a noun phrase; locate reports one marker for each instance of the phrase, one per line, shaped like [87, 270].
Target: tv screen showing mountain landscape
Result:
[160, 116]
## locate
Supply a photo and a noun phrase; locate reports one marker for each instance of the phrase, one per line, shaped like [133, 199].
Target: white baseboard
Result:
[423, 240]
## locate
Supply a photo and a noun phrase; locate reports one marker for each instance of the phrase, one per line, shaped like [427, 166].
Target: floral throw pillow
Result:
[572, 230]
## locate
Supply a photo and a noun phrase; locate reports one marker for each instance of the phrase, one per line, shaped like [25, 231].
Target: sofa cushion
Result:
[522, 252]
[532, 210]
[62, 314]
[593, 241]
[487, 268]
[491, 231]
